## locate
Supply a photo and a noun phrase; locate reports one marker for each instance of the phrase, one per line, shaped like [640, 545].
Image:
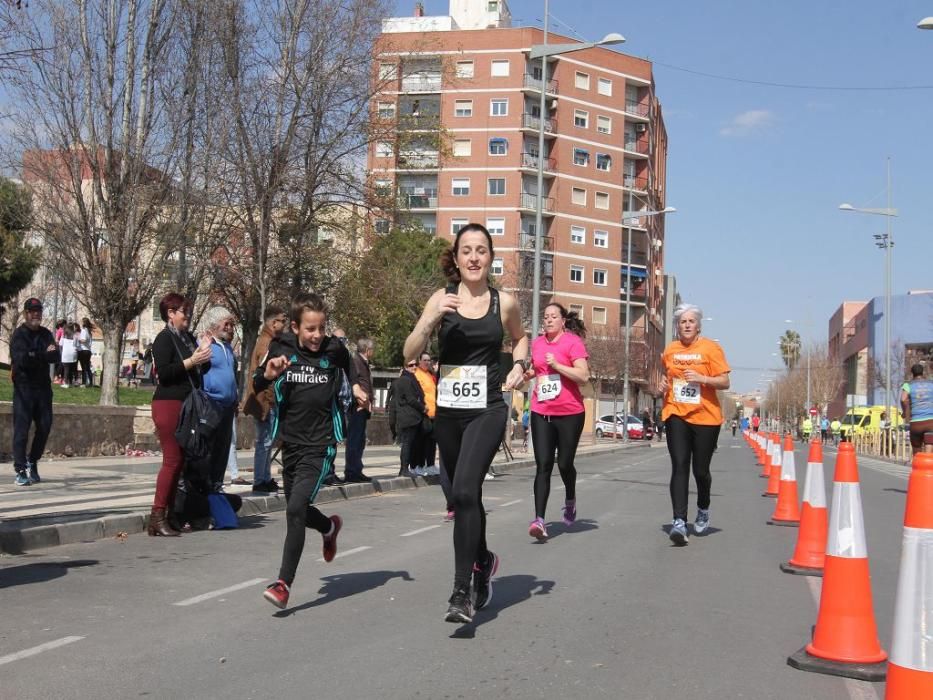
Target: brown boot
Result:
[159, 526]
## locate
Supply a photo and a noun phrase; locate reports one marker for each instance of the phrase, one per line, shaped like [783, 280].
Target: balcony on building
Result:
[631, 181]
[636, 111]
[529, 202]
[532, 84]
[418, 160]
[419, 114]
[635, 147]
[422, 76]
[527, 268]
[532, 123]
[530, 163]
[413, 200]
[526, 241]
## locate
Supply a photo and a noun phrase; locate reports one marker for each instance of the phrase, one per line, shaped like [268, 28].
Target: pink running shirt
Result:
[555, 394]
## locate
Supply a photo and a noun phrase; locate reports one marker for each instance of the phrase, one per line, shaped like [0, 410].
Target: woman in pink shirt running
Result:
[559, 366]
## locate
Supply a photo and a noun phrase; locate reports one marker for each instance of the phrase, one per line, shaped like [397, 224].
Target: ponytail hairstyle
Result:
[572, 320]
[449, 256]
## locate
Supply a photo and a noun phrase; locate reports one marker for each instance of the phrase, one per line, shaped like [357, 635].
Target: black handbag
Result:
[197, 422]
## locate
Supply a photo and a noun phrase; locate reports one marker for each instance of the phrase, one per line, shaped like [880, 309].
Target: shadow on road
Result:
[39, 572]
[507, 591]
[345, 585]
[558, 528]
[904, 491]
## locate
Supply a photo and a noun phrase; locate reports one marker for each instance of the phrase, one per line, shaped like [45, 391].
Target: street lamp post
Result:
[543, 51]
[885, 241]
[626, 218]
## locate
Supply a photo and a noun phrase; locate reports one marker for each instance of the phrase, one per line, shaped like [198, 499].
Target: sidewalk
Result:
[83, 499]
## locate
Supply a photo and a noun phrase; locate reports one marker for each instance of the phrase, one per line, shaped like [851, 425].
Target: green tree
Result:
[383, 297]
[18, 259]
[790, 348]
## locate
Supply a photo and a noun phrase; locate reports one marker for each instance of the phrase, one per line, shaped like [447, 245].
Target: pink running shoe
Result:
[537, 530]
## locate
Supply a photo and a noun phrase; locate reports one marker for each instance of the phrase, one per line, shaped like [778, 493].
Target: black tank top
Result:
[474, 341]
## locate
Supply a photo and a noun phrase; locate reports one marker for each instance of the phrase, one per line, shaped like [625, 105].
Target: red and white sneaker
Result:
[537, 529]
[277, 594]
[330, 541]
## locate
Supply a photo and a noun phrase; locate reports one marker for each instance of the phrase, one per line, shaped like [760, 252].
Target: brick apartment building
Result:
[462, 98]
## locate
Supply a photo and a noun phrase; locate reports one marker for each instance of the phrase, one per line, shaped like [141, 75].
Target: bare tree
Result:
[99, 149]
[826, 376]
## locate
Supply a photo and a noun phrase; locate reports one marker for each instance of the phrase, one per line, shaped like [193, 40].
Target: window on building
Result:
[384, 149]
[463, 147]
[460, 186]
[496, 226]
[577, 309]
[497, 267]
[382, 188]
[604, 86]
[601, 239]
[499, 107]
[457, 224]
[382, 226]
[498, 146]
[581, 80]
[464, 69]
[603, 124]
[463, 108]
[577, 235]
[578, 196]
[500, 69]
[386, 110]
[497, 185]
[599, 277]
[599, 315]
[388, 71]
[576, 273]
[603, 161]
[602, 200]
[581, 156]
[581, 118]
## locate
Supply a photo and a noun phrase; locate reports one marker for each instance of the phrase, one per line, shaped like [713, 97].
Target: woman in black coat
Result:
[409, 413]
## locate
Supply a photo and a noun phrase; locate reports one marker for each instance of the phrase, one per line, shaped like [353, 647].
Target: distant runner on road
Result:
[695, 369]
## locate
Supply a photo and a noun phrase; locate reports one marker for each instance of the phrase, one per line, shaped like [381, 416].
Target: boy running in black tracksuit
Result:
[304, 367]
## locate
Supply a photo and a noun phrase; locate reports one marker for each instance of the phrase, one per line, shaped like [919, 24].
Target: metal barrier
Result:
[890, 444]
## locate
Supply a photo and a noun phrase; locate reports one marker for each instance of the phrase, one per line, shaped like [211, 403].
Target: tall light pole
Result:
[885, 241]
[627, 216]
[543, 51]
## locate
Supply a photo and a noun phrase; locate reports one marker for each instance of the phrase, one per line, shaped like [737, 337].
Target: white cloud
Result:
[749, 122]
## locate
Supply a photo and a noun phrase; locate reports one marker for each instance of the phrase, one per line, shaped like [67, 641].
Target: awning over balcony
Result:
[637, 272]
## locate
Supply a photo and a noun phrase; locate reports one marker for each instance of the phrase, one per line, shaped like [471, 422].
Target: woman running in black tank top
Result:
[473, 318]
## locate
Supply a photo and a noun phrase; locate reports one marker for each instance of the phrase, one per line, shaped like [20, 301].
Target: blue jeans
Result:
[356, 443]
[262, 458]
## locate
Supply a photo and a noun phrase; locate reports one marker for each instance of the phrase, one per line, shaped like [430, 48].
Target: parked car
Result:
[606, 427]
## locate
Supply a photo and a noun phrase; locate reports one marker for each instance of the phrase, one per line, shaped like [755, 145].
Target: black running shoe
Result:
[460, 610]
[482, 580]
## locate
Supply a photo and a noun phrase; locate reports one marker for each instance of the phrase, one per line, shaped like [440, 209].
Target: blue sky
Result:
[757, 173]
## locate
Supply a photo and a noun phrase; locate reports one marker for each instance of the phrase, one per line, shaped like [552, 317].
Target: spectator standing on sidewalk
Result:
[425, 376]
[410, 411]
[69, 353]
[359, 414]
[179, 362]
[220, 385]
[260, 405]
[32, 350]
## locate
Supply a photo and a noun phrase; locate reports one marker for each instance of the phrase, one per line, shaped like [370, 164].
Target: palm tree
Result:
[790, 348]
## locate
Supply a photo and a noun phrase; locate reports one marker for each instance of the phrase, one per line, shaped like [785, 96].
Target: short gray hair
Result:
[213, 316]
[364, 345]
[682, 309]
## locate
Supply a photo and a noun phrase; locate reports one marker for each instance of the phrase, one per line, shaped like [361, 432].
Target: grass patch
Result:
[90, 396]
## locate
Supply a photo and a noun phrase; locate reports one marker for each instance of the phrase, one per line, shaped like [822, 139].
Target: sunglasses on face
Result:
[411, 364]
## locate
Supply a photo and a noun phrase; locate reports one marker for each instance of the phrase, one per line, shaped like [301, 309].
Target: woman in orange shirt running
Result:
[695, 369]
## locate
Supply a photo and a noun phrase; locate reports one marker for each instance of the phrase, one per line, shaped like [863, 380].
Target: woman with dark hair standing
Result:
[85, 338]
[559, 364]
[179, 362]
[472, 319]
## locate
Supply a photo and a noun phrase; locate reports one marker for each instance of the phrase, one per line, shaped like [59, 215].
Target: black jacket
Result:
[169, 354]
[30, 357]
[409, 401]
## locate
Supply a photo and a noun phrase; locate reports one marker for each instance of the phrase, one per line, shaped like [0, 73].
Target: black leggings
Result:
[468, 446]
[547, 434]
[686, 442]
[303, 470]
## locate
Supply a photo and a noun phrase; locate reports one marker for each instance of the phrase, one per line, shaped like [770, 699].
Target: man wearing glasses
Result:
[260, 406]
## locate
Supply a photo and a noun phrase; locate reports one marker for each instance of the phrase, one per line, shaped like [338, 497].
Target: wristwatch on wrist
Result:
[523, 363]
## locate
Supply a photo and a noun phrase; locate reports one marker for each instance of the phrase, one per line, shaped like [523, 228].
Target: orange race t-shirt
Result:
[694, 402]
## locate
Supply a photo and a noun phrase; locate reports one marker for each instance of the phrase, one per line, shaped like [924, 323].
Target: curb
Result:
[20, 541]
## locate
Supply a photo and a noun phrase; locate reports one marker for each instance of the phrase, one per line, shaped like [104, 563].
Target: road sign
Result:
[813, 411]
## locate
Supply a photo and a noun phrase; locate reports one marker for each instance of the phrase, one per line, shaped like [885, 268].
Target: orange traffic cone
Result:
[845, 638]
[910, 670]
[760, 458]
[767, 447]
[810, 553]
[786, 512]
[774, 476]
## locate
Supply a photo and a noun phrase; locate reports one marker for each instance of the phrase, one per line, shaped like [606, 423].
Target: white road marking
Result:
[511, 503]
[419, 530]
[214, 594]
[857, 690]
[32, 651]
[350, 551]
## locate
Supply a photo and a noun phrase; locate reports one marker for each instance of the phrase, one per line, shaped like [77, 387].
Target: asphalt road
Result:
[606, 608]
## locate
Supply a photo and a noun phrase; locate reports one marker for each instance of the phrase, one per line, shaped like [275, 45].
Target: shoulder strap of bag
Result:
[187, 371]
